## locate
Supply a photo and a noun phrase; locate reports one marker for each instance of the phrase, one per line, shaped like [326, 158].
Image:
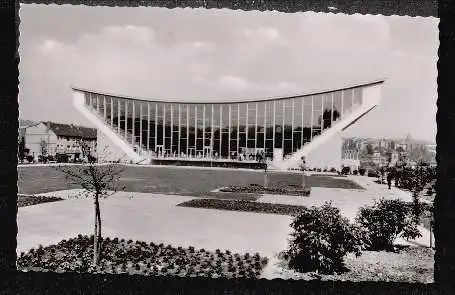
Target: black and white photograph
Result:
[221, 143]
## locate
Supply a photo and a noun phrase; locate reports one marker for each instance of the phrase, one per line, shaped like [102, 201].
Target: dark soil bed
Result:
[226, 196]
[410, 264]
[29, 200]
[288, 189]
[137, 257]
[245, 206]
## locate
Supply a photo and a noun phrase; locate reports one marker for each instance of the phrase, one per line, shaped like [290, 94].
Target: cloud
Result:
[50, 46]
[204, 45]
[136, 34]
[269, 33]
[233, 82]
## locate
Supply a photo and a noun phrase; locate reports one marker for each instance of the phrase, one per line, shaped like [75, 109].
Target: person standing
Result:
[389, 178]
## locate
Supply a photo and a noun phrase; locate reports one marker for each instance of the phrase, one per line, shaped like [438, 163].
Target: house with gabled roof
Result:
[51, 138]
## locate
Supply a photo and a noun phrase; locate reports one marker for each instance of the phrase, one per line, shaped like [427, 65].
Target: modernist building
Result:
[284, 129]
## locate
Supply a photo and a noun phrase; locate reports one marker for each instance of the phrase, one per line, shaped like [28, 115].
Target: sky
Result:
[215, 55]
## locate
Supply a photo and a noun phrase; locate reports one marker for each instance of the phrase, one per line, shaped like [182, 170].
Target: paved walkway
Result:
[154, 218]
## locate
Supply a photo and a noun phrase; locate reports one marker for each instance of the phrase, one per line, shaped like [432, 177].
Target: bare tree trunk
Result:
[303, 179]
[98, 214]
[265, 179]
[96, 233]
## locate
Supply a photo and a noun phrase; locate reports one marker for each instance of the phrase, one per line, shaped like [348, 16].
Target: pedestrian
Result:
[389, 179]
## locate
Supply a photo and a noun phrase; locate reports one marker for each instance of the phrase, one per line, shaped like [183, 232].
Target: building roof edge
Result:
[165, 100]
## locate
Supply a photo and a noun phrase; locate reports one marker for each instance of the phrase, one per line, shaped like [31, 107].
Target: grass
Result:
[174, 180]
[243, 206]
[410, 264]
[140, 258]
[28, 200]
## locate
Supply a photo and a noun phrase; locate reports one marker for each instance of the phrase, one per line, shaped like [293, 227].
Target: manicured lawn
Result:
[174, 180]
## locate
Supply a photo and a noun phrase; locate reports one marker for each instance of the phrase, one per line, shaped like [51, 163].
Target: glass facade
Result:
[223, 130]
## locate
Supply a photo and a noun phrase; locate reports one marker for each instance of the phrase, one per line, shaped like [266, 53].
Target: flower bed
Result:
[120, 256]
[245, 206]
[288, 189]
[29, 200]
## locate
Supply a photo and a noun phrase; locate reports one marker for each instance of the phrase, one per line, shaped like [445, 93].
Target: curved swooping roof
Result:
[222, 101]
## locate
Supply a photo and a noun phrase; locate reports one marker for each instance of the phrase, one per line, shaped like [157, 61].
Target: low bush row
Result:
[246, 206]
[288, 189]
[138, 257]
[321, 237]
[29, 200]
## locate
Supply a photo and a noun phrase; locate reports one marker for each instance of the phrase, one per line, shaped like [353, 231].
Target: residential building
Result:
[50, 138]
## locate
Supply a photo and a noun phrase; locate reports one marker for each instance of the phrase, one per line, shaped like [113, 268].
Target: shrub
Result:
[362, 171]
[346, 170]
[355, 172]
[333, 169]
[321, 238]
[386, 220]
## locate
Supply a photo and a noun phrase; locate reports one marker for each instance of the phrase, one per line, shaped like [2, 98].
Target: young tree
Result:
[98, 180]
[43, 146]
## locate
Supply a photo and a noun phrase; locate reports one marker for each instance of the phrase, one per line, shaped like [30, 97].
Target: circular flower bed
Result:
[288, 189]
[138, 257]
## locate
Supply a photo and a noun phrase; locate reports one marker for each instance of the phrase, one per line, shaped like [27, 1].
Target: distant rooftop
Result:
[27, 123]
[70, 130]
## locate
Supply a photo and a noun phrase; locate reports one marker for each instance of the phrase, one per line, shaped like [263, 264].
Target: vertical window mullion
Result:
[312, 117]
[292, 126]
[256, 130]
[303, 119]
[187, 128]
[211, 133]
[246, 126]
[112, 112]
[164, 126]
[203, 130]
[104, 107]
[322, 113]
[265, 124]
[156, 127]
[229, 134]
[274, 124]
[126, 120]
[179, 133]
[283, 104]
[133, 120]
[238, 127]
[148, 126]
[220, 108]
[118, 116]
[172, 130]
[140, 126]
